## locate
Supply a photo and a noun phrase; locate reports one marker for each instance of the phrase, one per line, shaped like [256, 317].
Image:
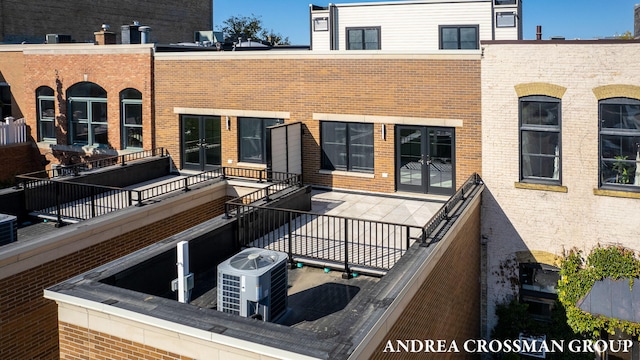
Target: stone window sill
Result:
[542, 187]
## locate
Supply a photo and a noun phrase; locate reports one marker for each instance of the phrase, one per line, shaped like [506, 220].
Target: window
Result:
[131, 101]
[505, 19]
[620, 143]
[88, 109]
[5, 100]
[505, 2]
[46, 113]
[459, 37]
[347, 146]
[252, 134]
[363, 38]
[540, 139]
[538, 283]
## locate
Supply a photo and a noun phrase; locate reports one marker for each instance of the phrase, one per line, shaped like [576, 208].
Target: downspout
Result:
[332, 27]
[493, 22]
[311, 26]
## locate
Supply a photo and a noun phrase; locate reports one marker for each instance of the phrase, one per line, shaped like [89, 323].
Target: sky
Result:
[573, 19]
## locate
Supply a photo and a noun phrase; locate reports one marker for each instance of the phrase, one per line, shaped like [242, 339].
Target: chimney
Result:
[104, 36]
[636, 21]
[539, 32]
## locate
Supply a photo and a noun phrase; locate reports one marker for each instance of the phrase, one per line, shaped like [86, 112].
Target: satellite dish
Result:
[253, 259]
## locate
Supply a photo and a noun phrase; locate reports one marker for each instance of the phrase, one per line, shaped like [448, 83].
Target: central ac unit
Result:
[8, 229]
[253, 283]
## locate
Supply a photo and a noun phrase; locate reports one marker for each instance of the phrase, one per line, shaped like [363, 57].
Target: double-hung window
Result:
[366, 38]
[46, 114]
[461, 37]
[252, 135]
[620, 143]
[347, 146]
[540, 159]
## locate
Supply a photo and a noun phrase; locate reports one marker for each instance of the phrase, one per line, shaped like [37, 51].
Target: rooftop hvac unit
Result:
[57, 38]
[253, 283]
[8, 229]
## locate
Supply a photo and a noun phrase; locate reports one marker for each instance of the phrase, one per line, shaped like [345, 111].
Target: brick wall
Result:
[78, 343]
[530, 220]
[18, 159]
[446, 306]
[111, 68]
[170, 21]
[302, 85]
[28, 322]
[12, 72]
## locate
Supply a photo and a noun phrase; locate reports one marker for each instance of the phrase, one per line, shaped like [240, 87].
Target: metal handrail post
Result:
[347, 271]
[58, 205]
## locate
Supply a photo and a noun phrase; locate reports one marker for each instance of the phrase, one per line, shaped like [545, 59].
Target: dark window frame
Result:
[459, 42]
[623, 134]
[6, 100]
[363, 29]
[262, 138]
[128, 97]
[326, 162]
[506, 13]
[45, 93]
[505, 2]
[94, 97]
[540, 129]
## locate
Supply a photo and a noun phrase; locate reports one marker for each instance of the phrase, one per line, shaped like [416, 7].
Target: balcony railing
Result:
[54, 194]
[347, 243]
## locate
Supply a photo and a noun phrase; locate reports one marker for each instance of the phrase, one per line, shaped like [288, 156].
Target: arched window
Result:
[46, 113]
[131, 110]
[87, 114]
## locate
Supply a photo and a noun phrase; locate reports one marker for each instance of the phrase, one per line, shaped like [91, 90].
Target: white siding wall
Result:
[410, 25]
[521, 219]
[320, 40]
[414, 26]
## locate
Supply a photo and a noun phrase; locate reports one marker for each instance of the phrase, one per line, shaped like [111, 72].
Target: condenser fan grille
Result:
[253, 260]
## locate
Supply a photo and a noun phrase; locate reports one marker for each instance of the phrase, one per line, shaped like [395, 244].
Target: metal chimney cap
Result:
[106, 27]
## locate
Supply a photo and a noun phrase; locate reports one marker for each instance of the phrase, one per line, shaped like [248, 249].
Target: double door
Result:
[425, 159]
[201, 139]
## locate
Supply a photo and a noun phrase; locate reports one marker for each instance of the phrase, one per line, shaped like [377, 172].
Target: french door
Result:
[201, 140]
[425, 159]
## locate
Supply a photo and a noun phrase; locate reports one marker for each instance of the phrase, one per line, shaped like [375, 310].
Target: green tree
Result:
[627, 35]
[250, 27]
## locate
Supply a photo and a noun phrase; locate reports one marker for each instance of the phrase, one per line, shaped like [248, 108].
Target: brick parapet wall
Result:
[446, 305]
[302, 86]
[78, 342]
[29, 322]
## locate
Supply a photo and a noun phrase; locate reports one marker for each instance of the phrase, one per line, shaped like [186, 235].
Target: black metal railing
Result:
[76, 169]
[443, 216]
[280, 182]
[341, 240]
[73, 201]
[69, 201]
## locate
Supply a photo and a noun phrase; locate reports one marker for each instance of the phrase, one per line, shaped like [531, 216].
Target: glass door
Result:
[201, 141]
[424, 159]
